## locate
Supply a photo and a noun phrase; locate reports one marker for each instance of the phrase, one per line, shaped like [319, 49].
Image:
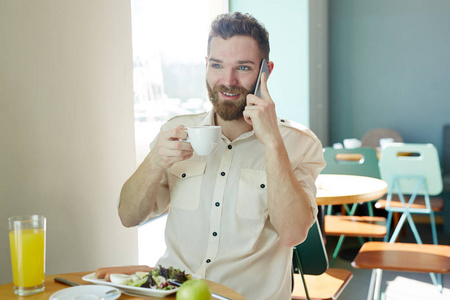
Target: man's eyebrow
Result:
[215, 60]
[240, 62]
[244, 62]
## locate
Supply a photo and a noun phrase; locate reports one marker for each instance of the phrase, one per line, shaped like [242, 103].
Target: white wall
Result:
[66, 128]
[318, 69]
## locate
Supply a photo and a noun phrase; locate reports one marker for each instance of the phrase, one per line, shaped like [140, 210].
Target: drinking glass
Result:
[27, 244]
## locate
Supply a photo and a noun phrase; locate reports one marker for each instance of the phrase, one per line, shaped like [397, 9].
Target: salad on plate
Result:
[154, 282]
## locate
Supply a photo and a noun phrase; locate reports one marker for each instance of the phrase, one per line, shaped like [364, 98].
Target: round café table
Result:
[7, 290]
[336, 189]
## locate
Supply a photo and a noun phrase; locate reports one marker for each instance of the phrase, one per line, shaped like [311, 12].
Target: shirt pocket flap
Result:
[185, 169]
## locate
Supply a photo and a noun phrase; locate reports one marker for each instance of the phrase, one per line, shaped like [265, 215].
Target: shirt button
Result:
[222, 173]
[230, 147]
[262, 185]
[183, 175]
[208, 261]
[217, 204]
[214, 233]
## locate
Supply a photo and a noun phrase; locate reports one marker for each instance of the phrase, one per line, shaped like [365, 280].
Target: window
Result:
[169, 50]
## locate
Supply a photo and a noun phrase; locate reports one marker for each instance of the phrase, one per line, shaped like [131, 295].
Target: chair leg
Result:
[398, 227]
[300, 268]
[375, 285]
[437, 281]
[435, 278]
[373, 278]
[388, 226]
[433, 228]
[413, 227]
[396, 218]
[329, 209]
[361, 240]
[336, 250]
[378, 284]
[370, 208]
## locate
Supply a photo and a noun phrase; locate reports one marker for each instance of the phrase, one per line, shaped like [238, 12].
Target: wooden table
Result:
[347, 189]
[402, 257]
[335, 189]
[7, 290]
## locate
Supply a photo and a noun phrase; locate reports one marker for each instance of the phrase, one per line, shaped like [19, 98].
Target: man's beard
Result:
[228, 110]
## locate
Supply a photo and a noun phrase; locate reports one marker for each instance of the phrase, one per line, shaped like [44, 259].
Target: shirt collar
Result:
[209, 119]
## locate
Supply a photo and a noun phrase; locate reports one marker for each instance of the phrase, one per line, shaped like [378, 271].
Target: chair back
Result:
[404, 165]
[367, 165]
[372, 137]
[310, 257]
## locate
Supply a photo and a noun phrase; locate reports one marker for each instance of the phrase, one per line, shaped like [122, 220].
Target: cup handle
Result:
[187, 139]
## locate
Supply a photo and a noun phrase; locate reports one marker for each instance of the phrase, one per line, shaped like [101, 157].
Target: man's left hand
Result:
[261, 114]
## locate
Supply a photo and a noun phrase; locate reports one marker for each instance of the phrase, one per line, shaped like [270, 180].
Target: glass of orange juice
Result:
[27, 244]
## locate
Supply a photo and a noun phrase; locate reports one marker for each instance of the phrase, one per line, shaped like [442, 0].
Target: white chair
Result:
[411, 170]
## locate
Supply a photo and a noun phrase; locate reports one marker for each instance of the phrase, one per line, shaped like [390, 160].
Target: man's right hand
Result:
[138, 198]
[169, 148]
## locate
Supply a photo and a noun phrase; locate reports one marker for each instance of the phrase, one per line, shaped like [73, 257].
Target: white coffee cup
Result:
[204, 139]
[352, 143]
[386, 141]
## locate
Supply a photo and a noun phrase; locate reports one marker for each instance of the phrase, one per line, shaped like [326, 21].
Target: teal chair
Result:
[413, 174]
[312, 277]
[365, 164]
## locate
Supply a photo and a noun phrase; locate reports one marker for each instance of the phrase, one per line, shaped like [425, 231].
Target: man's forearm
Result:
[289, 208]
[139, 194]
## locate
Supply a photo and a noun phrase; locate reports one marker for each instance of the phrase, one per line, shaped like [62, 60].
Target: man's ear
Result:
[270, 64]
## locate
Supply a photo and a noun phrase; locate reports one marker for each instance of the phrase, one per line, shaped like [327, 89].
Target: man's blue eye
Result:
[216, 66]
[243, 68]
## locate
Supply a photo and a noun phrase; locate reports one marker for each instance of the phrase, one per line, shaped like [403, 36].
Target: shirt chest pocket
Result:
[185, 180]
[252, 195]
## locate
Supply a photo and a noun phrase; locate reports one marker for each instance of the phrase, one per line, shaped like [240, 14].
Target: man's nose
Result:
[230, 78]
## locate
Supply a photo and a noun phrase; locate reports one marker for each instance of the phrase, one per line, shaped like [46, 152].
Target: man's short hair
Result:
[229, 25]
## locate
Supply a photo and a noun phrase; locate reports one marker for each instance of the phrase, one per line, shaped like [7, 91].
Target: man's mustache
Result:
[230, 90]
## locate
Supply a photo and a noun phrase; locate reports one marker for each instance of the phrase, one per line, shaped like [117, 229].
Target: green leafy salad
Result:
[158, 278]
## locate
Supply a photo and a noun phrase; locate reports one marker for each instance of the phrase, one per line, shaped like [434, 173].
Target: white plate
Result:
[138, 290]
[84, 292]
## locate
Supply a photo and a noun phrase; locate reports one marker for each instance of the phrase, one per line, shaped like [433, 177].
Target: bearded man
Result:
[236, 214]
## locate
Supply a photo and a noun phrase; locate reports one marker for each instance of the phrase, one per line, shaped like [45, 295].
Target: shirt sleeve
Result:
[308, 169]
[306, 155]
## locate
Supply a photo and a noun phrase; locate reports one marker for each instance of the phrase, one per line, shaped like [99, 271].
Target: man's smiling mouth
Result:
[229, 94]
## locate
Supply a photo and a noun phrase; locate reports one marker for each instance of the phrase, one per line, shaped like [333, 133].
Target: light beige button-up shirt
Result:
[218, 225]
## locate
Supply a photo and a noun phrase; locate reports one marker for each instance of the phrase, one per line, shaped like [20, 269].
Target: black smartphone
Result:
[263, 69]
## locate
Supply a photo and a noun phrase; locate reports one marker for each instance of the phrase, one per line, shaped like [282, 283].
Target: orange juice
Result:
[27, 256]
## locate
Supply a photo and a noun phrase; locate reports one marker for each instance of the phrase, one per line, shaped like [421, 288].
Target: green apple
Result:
[194, 289]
